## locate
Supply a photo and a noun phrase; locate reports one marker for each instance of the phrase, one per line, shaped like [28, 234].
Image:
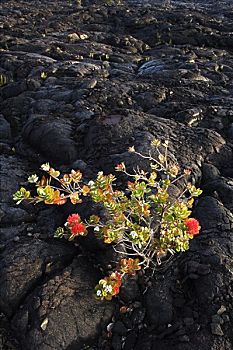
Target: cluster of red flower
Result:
[75, 225]
[192, 226]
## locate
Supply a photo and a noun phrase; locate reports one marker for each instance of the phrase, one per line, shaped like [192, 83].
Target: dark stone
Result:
[179, 301]
[23, 266]
[209, 172]
[40, 132]
[216, 329]
[217, 319]
[188, 321]
[143, 343]
[172, 329]
[13, 89]
[180, 332]
[33, 84]
[5, 129]
[2, 247]
[79, 164]
[138, 315]
[14, 216]
[191, 117]
[184, 339]
[9, 234]
[13, 171]
[159, 308]
[5, 148]
[83, 115]
[126, 319]
[119, 328]
[225, 318]
[116, 59]
[187, 312]
[50, 218]
[62, 311]
[130, 340]
[116, 342]
[230, 131]
[90, 84]
[210, 212]
[203, 269]
[44, 106]
[129, 290]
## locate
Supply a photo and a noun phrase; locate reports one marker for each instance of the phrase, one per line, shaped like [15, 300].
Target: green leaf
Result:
[20, 195]
[59, 233]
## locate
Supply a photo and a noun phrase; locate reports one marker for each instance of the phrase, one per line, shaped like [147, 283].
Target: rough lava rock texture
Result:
[63, 312]
[31, 262]
[83, 81]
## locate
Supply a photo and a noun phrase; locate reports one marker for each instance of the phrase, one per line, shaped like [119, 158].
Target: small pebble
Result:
[221, 310]
[216, 329]
[73, 37]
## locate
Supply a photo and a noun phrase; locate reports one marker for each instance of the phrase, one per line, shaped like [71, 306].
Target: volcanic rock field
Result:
[80, 83]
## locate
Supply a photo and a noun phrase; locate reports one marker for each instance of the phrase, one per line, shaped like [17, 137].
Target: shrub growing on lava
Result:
[143, 222]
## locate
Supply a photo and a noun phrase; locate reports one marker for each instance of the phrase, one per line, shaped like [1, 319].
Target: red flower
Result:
[78, 229]
[192, 226]
[116, 290]
[73, 219]
[75, 225]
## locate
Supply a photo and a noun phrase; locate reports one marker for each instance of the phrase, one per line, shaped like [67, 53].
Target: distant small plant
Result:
[3, 80]
[143, 222]
[43, 75]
